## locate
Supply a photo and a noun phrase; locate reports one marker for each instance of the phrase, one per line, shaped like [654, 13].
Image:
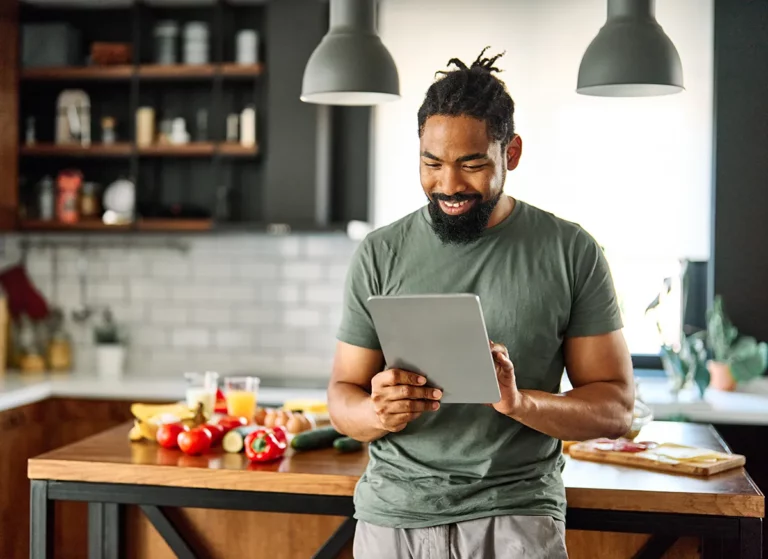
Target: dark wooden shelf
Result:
[152, 224]
[144, 71]
[174, 224]
[84, 225]
[194, 149]
[121, 72]
[229, 149]
[229, 70]
[122, 149]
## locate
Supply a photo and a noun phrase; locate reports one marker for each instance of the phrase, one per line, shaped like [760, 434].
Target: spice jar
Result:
[89, 201]
[108, 130]
[68, 182]
[60, 344]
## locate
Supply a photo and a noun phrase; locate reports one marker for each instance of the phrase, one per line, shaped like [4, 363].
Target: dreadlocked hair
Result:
[475, 92]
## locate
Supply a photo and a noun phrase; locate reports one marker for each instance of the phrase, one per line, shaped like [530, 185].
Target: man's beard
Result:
[465, 228]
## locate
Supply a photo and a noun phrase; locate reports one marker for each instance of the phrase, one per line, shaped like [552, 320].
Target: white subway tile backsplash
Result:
[128, 312]
[109, 290]
[170, 268]
[302, 318]
[285, 293]
[211, 316]
[141, 289]
[168, 314]
[199, 294]
[254, 271]
[338, 272]
[303, 271]
[190, 337]
[280, 337]
[324, 294]
[229, 338]
[240, 294]
[307, 365]
[254, 316]
[255, 304]
[213, 269]
[149, 336]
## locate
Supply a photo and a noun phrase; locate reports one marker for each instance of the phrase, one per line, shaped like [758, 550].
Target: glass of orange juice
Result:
[241, 395]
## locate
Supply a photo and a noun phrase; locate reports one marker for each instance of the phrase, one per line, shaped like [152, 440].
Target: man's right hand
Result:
[400, 397]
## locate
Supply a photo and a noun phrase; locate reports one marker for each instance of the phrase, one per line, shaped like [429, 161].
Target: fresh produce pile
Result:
[175, 426]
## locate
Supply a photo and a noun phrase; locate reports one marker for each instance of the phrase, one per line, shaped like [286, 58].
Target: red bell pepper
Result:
[264, 446]
[281, 434]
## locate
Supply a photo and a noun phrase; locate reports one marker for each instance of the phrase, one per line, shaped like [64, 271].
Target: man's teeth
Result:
[456, 204]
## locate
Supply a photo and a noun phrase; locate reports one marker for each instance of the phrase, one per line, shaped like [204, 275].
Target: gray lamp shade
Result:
[351, 66]
[631, 56]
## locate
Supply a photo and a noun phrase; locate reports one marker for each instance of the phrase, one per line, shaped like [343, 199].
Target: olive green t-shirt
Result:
[540, 279]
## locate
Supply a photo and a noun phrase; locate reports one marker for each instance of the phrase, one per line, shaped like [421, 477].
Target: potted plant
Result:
[733, 358]
[683, 356]
[110, 347]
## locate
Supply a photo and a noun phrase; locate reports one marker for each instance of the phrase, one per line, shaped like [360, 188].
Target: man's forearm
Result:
[352, 412]
[601, 409]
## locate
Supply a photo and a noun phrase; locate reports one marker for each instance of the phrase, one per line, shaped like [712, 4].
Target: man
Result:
[471, 480]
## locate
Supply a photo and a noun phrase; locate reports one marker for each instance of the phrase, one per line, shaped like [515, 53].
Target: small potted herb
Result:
[734, 358]
[110, 347]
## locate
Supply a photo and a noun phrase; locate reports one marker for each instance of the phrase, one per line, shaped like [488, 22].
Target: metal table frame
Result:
[722, 536]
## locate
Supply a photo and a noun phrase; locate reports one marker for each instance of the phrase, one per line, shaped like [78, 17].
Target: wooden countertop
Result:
[110, 458]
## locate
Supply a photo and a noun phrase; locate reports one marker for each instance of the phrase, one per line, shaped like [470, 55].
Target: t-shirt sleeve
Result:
[357, 326]
[595, 308]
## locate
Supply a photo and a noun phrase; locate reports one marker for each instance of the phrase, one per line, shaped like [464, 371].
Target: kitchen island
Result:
[145, 501]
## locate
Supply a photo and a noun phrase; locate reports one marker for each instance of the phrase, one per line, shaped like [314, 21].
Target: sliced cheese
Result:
[683, 453]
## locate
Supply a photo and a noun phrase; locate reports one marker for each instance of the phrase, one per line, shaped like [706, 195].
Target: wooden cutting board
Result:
[665, 458]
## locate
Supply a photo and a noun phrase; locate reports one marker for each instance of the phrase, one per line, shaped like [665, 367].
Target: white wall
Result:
[635, 172]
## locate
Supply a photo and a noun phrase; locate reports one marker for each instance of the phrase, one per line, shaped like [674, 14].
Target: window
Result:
[635, 173]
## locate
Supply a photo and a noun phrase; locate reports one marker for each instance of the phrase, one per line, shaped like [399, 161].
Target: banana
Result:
[309, 406]
[134, 435]
[145, 412]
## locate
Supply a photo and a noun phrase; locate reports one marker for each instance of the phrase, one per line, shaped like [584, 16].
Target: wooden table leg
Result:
[40, 521]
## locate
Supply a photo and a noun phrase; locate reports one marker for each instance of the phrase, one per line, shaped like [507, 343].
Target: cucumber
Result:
[234, 440]
[347, 444]
[314, 439]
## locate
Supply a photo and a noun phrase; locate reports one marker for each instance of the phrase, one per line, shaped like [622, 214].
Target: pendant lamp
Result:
[631, 56]
[351, 66]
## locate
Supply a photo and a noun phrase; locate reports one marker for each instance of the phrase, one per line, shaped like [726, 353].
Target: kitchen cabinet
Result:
[9, 108]
[308, 170]
[29, 430]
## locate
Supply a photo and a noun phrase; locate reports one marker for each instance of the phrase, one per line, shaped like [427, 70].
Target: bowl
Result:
[641, 416]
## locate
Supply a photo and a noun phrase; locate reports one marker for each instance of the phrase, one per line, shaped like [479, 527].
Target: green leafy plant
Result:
[746, 358]
[688, 361]
[107, 332]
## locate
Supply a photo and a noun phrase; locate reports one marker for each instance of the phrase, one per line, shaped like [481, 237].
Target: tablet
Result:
[442, 337]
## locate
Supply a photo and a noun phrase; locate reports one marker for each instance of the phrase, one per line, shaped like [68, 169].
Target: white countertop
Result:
[747, 406]
[20, 389]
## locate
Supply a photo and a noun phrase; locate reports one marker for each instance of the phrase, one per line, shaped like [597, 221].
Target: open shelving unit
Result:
[189, 176]
[310, 167]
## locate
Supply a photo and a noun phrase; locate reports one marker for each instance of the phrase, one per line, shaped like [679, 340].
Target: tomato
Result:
[216, 431]
[168, 434]
[229, 422]
[195, 441]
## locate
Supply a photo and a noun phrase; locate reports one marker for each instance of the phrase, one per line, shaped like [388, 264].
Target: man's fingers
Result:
[398, 421]
[411, 406]
[408, 392]
[393, 377]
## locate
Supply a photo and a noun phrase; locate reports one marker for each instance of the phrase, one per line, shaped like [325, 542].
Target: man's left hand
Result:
[511, 398]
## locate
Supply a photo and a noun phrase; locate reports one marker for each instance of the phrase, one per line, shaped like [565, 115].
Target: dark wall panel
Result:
[741, 162]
